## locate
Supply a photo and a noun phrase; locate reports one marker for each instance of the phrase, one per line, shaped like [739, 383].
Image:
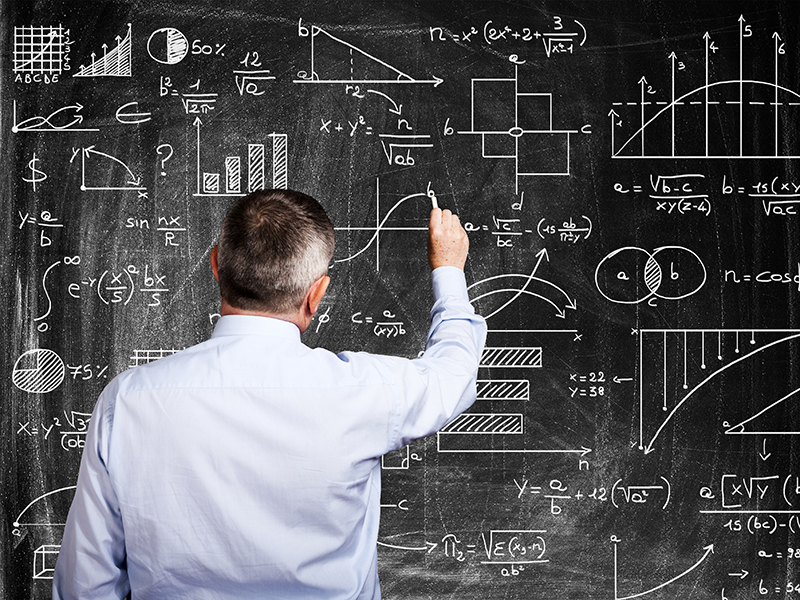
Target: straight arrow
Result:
[427, 547]
[741, 86]
[741, 574]
[777, 41]
[642, 83]
[706, 37]
[673, 58]
[197, 123]
[612, 113]
[764, 455]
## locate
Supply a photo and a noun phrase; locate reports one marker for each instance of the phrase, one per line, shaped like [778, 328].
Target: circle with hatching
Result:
[631, 274]
[38, 371]
[167, 46]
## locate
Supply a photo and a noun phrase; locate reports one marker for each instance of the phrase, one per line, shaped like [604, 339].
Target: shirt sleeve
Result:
[92, 561]
[440, 385]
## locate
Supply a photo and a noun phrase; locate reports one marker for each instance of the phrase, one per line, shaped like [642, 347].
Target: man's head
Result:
[274, 245]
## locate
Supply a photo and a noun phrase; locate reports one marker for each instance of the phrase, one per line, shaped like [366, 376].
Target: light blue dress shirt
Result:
[248, 466]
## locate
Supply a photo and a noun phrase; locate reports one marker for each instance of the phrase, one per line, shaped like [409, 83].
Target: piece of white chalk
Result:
[434, 202]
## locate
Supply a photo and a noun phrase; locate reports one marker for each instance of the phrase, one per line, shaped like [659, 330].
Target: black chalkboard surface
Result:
[628, 172]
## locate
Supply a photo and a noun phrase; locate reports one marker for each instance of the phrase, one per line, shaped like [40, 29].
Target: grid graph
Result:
[40, 49]
[144, 356]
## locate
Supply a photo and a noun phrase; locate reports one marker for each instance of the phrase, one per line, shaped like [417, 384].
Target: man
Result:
[248, 466]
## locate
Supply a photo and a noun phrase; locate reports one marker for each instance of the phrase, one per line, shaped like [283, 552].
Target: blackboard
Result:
[627, 171]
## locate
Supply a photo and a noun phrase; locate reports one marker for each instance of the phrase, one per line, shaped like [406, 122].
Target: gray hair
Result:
[273, 245]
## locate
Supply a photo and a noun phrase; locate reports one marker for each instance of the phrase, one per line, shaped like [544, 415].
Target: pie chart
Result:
[167, 46]
[38, 371]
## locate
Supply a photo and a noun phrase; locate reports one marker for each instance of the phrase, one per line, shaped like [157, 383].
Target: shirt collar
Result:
[254, 325]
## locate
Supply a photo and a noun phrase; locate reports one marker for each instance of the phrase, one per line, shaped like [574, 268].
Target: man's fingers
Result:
[441, 219]
[444, 221]
[448, 243]
[436, 217]
[447, 219]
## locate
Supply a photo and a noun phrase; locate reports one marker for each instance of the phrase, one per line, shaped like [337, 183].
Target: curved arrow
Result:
[559, 312]
[39, 123]
[540, 255]
[397, 110]
[570, 301]
[78, 118]
[709, 550]
[134, 180]
[36, 123]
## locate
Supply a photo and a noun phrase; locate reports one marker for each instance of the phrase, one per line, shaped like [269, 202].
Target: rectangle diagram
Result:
[211, 183]
[512, 357]
[496, 423]
[44, 561]
[255, 167]
[479, 432]
[233, 174]
[503, 389]
[518, 125]
[280, 179]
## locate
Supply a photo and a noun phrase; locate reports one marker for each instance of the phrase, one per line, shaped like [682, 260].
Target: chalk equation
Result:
[565, 35]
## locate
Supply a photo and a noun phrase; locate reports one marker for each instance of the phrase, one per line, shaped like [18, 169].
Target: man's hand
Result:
[447, 241]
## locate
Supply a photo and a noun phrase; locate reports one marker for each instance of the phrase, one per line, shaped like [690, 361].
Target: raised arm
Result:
[443, 382]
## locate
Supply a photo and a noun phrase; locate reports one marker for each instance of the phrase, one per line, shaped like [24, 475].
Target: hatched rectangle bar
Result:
[280, 179]
[211, 183]
[255, 167]
[494, 423]
[503, 389]
[512, 357]
[233, 174]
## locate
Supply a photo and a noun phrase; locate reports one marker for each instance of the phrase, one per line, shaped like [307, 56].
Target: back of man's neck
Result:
[226, 309]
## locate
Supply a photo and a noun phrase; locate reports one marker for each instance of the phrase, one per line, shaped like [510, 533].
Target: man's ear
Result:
[317, 292]
[214, 265]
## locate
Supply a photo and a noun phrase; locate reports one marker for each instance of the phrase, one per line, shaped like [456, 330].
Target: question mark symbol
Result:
[166, 147]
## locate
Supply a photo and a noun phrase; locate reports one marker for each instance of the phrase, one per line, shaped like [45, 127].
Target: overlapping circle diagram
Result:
[631, 274]
[38, 371]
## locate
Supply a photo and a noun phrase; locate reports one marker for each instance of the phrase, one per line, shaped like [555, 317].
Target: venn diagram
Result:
[631, 274]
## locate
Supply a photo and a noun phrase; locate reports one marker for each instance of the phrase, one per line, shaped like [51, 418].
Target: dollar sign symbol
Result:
[37, 175]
